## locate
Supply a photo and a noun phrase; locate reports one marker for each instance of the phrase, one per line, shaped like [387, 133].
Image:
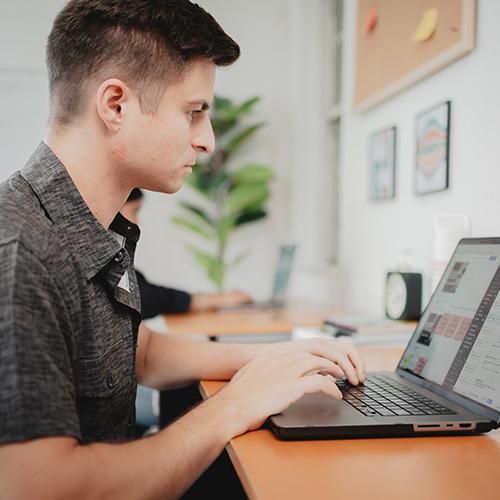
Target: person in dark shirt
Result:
[157, 299]
[130, 84]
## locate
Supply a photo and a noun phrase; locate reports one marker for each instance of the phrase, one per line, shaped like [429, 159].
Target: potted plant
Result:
[229, 197]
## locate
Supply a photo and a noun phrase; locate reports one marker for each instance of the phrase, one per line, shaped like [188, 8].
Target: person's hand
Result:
[345, 355]
[230, 298]
[201, 302]
[281, 375]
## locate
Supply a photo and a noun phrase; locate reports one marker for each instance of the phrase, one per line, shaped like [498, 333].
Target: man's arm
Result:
[163, 466]
[157, 299]
[168, 360]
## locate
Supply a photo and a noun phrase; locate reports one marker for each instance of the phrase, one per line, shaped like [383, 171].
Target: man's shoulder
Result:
[23, 221]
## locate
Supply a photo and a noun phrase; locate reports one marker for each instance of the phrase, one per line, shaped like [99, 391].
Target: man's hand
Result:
[343, 354]
[201, 302]
[283, 373]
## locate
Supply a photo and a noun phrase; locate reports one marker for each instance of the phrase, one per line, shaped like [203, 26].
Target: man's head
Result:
[133, 206]
[146, 43]
[142, 71]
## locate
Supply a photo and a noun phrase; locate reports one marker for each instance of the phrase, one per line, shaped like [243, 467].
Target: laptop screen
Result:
[457, 341]
[283, 270]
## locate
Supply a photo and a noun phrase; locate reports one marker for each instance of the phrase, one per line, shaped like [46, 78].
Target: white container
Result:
[449, 229]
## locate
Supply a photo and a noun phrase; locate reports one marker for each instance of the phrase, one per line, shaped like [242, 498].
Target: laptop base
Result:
[386, 431]
[318, 416]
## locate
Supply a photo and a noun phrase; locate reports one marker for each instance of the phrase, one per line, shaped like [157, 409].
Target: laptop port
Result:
[464, 425]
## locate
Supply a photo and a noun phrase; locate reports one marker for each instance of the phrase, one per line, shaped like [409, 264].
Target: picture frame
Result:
[432, 150]
[382, 164]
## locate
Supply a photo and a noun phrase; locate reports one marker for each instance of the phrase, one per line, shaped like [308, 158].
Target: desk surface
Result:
[248, 322]
[444, 468]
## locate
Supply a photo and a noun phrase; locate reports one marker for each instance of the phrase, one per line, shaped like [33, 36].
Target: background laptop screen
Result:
[282, 275]
[457, 341]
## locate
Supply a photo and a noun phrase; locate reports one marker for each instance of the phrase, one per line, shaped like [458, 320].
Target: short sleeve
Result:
[37, 392]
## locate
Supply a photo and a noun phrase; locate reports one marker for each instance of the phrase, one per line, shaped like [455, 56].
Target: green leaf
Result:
[206, 182]
[252, 174]
[248, 105]
[256, 207]
[214, 267]
[222, 102]
[250, 216]
[225, 110]
[226, 115]
[234, 144]
[244, 196]
[223, 228]
[240, 258]
[191, 226]
[197, 212]
[194, 182]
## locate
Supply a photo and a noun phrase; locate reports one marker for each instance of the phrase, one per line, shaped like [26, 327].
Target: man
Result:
[130, 84]
[156, 299]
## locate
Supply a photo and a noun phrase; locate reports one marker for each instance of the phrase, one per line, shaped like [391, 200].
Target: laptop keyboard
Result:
[381, 395]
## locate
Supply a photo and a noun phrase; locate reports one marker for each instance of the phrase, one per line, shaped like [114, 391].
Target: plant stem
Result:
[220, 199]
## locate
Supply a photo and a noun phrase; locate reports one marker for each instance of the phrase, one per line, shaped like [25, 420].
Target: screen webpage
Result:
[457, 341]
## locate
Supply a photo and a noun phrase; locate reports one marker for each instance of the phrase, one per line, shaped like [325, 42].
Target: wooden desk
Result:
[250, 322]
[430, 468]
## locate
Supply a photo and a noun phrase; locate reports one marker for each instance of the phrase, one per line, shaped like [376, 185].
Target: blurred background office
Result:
[300, 57]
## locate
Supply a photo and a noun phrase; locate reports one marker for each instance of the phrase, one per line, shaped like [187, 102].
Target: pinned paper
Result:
[371, 19]
[427, 25]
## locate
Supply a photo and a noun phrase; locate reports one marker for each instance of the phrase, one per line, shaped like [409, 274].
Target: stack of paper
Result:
[361, 330]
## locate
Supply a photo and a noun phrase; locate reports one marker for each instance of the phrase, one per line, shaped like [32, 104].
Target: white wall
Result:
[266, 68]
[281, 61]
[24, 27]
[264, 31]
[374, 234]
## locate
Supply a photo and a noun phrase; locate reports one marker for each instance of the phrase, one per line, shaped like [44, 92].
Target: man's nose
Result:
[204, 141]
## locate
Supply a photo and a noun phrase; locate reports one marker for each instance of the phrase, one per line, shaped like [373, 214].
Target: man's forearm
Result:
[162, 466]
[171, 360]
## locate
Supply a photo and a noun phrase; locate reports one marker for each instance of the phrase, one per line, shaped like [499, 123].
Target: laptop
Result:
[280, 284]
[448, 378]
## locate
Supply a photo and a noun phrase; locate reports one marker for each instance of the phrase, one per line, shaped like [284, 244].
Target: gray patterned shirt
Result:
[69, 311]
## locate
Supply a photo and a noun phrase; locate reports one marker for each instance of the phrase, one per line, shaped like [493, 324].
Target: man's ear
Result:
[111, 100]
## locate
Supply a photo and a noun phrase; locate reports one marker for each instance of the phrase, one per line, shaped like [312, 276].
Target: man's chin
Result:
[169, 187]
[172, 188]
[187, 170]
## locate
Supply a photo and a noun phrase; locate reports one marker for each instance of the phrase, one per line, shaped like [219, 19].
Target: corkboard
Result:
[388, 61]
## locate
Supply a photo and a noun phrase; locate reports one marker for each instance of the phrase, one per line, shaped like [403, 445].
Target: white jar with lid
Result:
[449, 229]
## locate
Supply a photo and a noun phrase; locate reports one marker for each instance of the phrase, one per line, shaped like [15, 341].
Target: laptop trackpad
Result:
[317, 410]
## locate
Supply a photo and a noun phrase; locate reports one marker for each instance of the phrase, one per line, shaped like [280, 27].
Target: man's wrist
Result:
[230, 422]
[201, 302]
[251, 351]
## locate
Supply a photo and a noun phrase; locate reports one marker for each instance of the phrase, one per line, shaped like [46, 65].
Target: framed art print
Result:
[433, 149]
[382, 162]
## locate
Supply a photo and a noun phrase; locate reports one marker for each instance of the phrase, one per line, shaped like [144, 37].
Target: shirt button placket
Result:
[119, 256]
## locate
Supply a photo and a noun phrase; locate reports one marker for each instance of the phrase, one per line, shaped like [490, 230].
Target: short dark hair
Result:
[135, 194]
[146, 43]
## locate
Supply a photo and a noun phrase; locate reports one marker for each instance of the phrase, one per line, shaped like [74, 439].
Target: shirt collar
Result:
[93, 245]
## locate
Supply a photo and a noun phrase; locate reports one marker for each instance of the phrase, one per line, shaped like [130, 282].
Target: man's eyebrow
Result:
[200, 102]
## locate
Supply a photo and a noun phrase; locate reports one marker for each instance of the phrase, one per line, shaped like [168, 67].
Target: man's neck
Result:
[91, 171]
